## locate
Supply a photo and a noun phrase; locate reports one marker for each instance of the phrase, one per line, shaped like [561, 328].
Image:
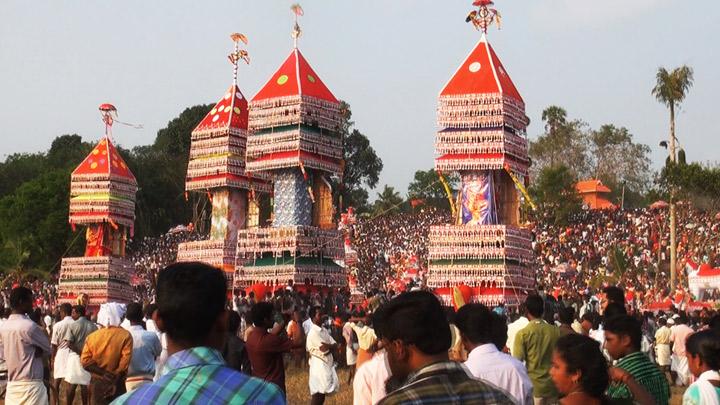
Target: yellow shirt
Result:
[366, 335]
[108, 348]
[662, 336]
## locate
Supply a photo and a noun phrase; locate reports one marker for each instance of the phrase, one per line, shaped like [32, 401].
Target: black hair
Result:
[20, 296]
[499, 329]
[705, 344]
[614, 294]
[566, 315]
[190, 298]
[614, 309]
[80, 309]
[581, 353]
[134, 312]
[233, 322]
[714, 323]
[474, 322]
[66, 308]
[592, 317]
[625, 325]
[418, 319]
[535, 305]
[662, 321]
[260, 312]
[150, 310]
[314, 310]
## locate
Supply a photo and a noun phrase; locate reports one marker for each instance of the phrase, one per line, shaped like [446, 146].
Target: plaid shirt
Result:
[199, 376]
[445, 383]
[646, 374]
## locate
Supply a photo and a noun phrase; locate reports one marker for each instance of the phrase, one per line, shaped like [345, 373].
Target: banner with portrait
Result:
[478, 199]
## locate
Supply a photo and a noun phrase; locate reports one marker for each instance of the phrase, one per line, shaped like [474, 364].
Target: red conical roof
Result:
[104, 160]
[230, 112]
[295, 77]
[481, 72]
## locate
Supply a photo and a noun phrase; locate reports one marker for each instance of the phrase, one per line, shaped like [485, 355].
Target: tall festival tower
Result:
[484, 256]
[217, 167]
[102, 199]
[295, 136]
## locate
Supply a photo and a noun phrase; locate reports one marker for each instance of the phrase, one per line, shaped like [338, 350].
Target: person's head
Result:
[714, 323]
[191, 305]
[233, 322]
[316, 315]
[612, 294]
[77, 312]
[261, 314]
[662, 322]
[134, 313]
[478, 326]
[579, 365]
[566, 315]
[414, 332]
[65, 309]
[297, 316]
[150, 310]
[703, 351]
[588, 322]
[21, 300]
[534, 306]
[623, 336]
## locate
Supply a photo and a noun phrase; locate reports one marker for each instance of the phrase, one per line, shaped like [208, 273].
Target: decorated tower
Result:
[217, 167]
[102, 199]
[295, 137]
[484, 256]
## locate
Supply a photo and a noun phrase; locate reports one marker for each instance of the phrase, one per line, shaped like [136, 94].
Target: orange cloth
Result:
[362, 356]
[108, 348]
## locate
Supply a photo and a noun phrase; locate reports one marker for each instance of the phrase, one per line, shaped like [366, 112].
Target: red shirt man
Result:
[266, 349]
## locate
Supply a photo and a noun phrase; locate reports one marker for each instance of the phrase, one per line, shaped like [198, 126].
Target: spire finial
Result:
[297, 32]
[484, 16]
[238, 53]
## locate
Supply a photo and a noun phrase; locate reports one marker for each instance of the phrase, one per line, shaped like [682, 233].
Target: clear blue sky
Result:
[387, 58]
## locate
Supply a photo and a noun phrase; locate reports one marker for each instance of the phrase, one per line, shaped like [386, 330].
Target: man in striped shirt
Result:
[622, 341]
[191, 311]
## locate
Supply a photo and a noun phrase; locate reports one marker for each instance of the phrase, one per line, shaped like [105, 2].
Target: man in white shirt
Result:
[482, 332]
[60, 350]
[514, 328]
[370, 379]
[323, 379]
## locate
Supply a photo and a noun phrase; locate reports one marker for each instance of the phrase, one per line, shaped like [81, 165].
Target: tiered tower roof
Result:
[295, 77]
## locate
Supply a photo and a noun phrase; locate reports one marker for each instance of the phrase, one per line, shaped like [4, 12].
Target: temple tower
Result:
[102, 199]
[295, 137]
[484, 255]
[217, 167]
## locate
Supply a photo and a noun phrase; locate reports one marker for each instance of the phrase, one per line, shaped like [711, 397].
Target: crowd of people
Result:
[194, 345]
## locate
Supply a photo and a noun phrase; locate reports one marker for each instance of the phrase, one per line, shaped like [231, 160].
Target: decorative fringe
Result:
[298, 241]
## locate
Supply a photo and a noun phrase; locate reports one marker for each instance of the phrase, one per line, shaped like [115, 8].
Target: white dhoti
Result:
[60, 363]
[323, 378]
[679, 365]
[74, 372]
[26, 393]
[351, 355]
[662, 354]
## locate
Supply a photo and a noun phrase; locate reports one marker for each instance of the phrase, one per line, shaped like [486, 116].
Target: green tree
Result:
[67, 152]
[671, 89]
[35, 217]
[426, 186]
[388, 202]
[362, 165]
[19, 168]
[555, 195]
[618, 161]
[563, 143]
[174, 139]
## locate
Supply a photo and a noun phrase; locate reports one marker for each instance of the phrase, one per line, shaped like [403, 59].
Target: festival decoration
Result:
[482, 137]
[295, 124]
[102, 199]
[217, 167]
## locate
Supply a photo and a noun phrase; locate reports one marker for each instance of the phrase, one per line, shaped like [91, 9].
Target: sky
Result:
[388, 58]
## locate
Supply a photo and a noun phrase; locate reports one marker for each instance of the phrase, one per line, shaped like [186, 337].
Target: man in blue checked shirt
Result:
[191, 311]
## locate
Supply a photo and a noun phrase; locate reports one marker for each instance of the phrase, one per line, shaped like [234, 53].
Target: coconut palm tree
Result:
[671, 89]
[388, 201]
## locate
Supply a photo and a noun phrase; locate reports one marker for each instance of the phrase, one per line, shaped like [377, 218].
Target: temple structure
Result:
[217, 167]
[295, 137]
[484, 256]
[102, 199]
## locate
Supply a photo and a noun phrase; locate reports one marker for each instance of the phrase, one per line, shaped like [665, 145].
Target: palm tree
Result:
[14, 263]
[388, 201]
[671, 89]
